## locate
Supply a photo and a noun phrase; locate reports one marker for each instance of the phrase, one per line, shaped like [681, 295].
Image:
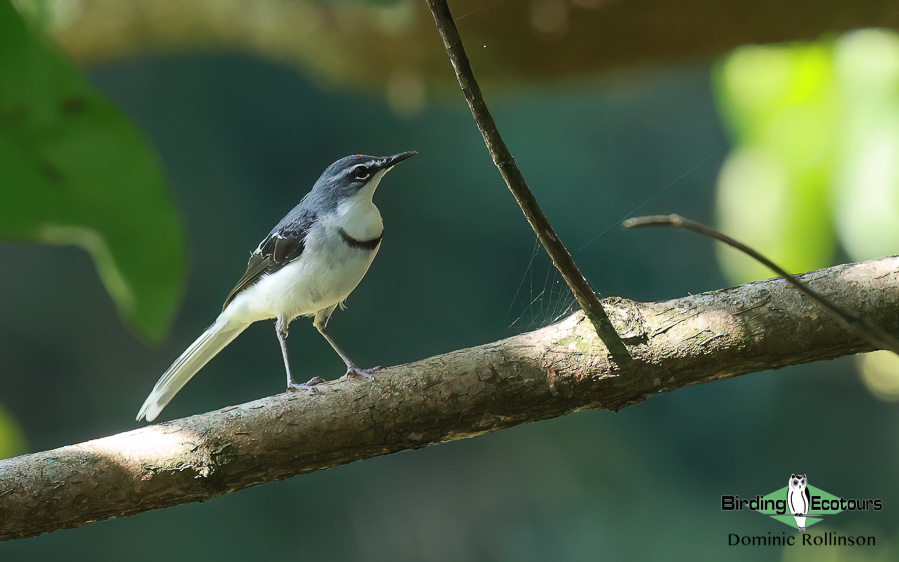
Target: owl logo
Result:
[798, 498]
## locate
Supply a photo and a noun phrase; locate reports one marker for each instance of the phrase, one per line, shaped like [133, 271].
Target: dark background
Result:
[242, 140]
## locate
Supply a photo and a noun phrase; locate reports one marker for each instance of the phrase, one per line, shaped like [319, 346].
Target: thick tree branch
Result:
[542, 374]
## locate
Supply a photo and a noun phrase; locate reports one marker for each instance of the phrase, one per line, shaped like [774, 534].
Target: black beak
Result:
[392, 161]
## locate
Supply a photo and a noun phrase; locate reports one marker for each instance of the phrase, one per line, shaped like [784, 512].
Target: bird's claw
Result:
[308, 385]
[354, 371]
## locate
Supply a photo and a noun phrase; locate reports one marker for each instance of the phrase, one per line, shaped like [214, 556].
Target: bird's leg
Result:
[320, 322]
[351, 369]
[281, 330]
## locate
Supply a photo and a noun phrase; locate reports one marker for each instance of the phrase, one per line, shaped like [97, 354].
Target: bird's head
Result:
[356, 175]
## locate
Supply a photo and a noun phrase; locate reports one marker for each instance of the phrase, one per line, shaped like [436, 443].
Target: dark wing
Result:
[282, 246]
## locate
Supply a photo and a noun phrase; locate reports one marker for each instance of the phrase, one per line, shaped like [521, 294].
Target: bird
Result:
[307, 266]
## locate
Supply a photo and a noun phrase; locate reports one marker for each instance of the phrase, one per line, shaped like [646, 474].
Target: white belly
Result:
[327, 271]
[322, 277]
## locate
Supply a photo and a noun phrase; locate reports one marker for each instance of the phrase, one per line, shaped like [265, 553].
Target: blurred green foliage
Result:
[76, 171]
[12, 440]
[814, 167]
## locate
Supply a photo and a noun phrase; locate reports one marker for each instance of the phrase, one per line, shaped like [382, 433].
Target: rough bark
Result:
[550, 372]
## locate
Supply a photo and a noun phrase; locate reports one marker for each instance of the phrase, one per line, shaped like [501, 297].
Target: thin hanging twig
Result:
[561, 258]
[852, 320]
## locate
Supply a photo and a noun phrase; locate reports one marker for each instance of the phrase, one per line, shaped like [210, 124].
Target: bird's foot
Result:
[308, 385]
[354, 371]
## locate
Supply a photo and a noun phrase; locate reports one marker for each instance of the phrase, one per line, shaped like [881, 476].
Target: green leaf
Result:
[74, 170]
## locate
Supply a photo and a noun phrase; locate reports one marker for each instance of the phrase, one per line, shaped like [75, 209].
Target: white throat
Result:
[358, 216]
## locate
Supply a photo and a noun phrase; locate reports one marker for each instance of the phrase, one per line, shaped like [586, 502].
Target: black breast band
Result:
[360, 244]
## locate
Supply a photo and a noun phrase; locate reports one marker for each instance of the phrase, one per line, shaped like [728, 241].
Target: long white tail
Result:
[213, 340]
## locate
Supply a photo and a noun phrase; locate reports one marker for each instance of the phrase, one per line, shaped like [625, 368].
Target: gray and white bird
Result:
[306, 266]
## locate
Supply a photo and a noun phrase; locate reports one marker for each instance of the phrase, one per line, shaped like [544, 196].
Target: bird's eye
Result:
[360, 172]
